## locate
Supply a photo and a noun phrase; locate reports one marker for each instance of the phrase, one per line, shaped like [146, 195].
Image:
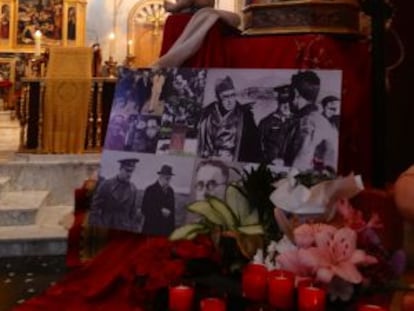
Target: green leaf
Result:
[238, 203]
[226, 213]
[204, 208]
[251, 229]
[189, 231]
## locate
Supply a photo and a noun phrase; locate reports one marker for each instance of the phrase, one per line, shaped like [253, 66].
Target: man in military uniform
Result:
[115, 203]
[158, 204]
[271, 127]
[227, 130]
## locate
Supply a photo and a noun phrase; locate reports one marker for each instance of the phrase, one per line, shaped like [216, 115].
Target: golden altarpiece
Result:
[61, 23]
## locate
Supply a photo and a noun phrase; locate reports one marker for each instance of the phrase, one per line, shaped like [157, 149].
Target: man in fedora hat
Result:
[227, 130]
[158, 204]
[115, 203]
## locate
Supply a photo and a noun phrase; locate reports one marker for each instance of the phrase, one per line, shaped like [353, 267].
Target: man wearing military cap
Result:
[227, 130]
[271, 127]
[115, 203]
[158, 204]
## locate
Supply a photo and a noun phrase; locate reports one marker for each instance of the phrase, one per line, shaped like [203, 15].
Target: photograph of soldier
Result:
[307, 127]
[271, 127]
[227, 130]
[115, 202]
[330, 109]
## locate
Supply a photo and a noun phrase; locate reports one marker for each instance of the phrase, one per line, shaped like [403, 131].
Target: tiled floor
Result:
[25, 277]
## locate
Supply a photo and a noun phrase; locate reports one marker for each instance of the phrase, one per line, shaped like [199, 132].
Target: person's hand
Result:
[165, 212]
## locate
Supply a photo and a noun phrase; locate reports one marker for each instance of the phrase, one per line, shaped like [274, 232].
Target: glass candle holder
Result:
[311, 298]
[371, 307]
[281, 289]
[254, 282]
[180, 297]
[212, 304]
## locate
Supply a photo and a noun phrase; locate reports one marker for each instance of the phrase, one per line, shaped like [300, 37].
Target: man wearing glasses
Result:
[227, 130]
[211, 179]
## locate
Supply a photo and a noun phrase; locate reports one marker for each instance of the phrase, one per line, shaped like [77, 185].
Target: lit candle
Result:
[369, 307]
[38, 42]
[129, 51]
[180, 298]
[281, 289]
[311, 298]
[254, 282]
[212, 304]
[111, 43]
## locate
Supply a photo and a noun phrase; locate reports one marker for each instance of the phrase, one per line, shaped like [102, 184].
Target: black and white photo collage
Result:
[176, 135]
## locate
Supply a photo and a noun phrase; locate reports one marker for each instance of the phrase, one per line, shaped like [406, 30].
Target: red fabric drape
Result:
[223, 47]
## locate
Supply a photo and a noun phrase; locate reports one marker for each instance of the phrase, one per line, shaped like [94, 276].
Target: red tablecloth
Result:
[226, 48]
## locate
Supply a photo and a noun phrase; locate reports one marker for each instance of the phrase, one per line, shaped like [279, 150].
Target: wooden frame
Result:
[302, 16]
[62, 23]
[8, 73]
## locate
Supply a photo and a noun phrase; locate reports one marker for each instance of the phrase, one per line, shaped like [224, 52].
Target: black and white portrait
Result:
[279, 117]
[182, 97]
[177, 135]
[142, 192]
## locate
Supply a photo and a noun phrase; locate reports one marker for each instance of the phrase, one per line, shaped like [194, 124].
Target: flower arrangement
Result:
[302, 223]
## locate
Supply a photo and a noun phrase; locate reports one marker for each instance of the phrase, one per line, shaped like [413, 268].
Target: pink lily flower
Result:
[305, 234]
[335, 255]
[291, 261]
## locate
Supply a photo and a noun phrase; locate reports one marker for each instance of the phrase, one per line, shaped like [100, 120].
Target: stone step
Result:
[20, 207]
[53, 216]
[6, 115]
[4, 184]
[32, 240]
[48, 236]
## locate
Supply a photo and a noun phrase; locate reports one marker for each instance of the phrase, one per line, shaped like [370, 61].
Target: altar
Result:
[115, 282]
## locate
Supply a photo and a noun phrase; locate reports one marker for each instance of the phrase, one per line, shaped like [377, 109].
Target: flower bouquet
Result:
[303, 224]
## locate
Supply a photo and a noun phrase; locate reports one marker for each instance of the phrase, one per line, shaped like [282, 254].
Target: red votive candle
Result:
[311, 298]
[254, 282]
[212, 304]
[180, 298]
[369, 307]
[281, 286]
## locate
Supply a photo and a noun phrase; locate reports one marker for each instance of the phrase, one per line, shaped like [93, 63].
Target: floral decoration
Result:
[303, 223]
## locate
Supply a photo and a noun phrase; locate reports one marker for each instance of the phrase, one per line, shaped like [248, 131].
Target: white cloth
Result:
[193, 35]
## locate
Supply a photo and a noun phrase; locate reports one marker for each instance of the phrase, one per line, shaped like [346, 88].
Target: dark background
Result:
[399, 138]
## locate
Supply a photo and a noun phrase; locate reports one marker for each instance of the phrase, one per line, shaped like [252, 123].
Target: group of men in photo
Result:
[300, 131]
[297, 133]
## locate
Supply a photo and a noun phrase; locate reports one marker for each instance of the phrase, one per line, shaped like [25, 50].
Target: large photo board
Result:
[176, 135]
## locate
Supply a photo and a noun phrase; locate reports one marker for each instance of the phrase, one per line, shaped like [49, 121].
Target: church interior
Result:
[60, 64]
